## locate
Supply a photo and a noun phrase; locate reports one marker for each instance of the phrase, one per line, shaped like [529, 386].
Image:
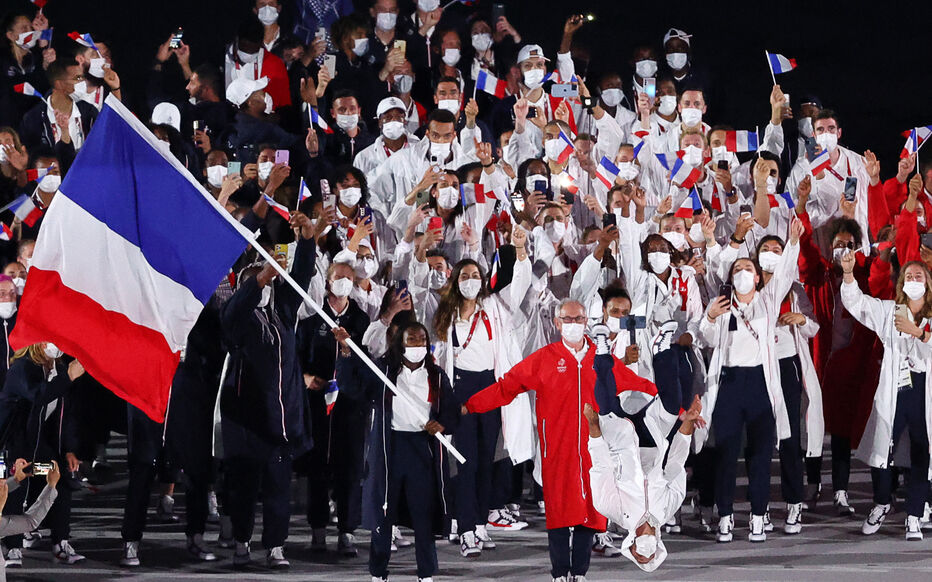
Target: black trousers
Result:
[411, 479]
[144, 438]
[247, 480]
[476, 437]
[567, 558]
[791, 451]
[743, 405]
[909, 415]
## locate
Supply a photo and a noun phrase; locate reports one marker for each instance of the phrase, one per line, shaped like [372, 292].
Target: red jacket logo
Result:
[561, 365]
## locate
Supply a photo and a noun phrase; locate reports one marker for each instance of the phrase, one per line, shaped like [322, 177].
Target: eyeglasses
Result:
[567, 319]
[841, 245]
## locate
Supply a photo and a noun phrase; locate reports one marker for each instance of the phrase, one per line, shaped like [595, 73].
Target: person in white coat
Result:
[743, 391]
[904, 397]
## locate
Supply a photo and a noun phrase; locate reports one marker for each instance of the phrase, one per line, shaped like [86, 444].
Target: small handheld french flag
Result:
[637, 150]
[690, 206]
[914, 140]
[490, 84]
[303, 192]
[493, 277]
[780, 64]
[83, 40]
[606, 172]
[741, 141]
[330, 396]
[5, 233]
[36, 174]
[783, 199]
[668, 159]
[280, 209]
[472, 194]
[26, 210]
[46, 35]
[317, 120]
[684, 175]
[568, 148]
[820, 163]
[39, 3]
[27, 89]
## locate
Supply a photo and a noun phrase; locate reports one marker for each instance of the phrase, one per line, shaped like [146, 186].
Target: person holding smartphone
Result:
[901, 401]
[14, 524]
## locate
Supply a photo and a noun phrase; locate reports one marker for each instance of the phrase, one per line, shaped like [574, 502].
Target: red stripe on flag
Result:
[132, 361]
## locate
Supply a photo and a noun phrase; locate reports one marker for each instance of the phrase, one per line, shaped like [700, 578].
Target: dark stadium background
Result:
[871, 62]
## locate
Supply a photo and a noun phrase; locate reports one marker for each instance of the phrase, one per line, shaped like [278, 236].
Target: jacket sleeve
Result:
[811, 327]
[811, 263]
[880, 280]
[302, 270]
[30, 520]
[895, 193]
[238, 310]
[907, 237]
[518, 380]
[356, 380]
[602, 480]
[449, 413]
[869, 311]
[878, 214]
[783, 276]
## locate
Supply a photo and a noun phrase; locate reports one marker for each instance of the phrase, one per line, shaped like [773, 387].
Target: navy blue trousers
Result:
[791, 451]
[566, 559]
[476, 437]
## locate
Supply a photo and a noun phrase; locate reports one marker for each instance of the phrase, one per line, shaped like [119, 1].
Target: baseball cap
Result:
[388, 104]
[241, 88]
[166, 114]
[677, 33]
[530, 50]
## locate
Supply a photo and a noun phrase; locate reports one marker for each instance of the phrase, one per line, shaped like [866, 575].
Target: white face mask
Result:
[553, 148]
[350, 196]
[27, 263]
[366, 268]
[265, 168]
[347, 122]
[572, 332]
[403, 83]
[645, 545]
[482, 41]
[677, 239]
[247, 57]
[613, 323]
[33, 39]
[695, 233]
[612, 97]
[436, 279]
[659, 262]
[80, 90]
[393, 129]
[451, 105]
[533, 78]
[719, 153]
[265, 297]
[677, 61]
[555, 231]
[827, 141]
[427, 5]
[268, 15]
[628, 170]
[440, 151]
[772, 184]
[50, 183]
[470, 288]
[913, 289]
[269, 104]
[97, 68]
[386, 20]
[341, 287]
[360, 46]
[645, 68]
[805, 126]
[7, 309]
[768, 261]
[667, 104]
[451, 57]
[692, 155]
[20, 285]
[447, 197]
[52, 351]
[691, 116]
[743, 282]
[416, 354]
[215, 175]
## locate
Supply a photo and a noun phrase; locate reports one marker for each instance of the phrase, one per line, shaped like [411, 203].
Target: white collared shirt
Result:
[74, 125]
[415, 385]
[743, 349]
[479, 355]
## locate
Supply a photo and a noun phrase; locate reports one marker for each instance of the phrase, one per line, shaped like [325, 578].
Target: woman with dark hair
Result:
[743, 393]
[901, 403]
[23, 59]
[476, 345]
[406, 472]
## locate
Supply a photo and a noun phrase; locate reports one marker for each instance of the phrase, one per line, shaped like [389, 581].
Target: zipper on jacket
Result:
[582, 481]
[544, 431]
[281, 403]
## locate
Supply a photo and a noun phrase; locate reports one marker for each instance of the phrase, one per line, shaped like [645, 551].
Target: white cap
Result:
[676, 33]
[388, 104]
[530, 50]
[166, 114]
[241, 88]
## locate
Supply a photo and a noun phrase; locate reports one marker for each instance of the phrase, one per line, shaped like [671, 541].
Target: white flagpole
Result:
[770, 67]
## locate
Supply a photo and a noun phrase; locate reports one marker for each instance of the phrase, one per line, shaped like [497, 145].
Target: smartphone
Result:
[401, 44]
[650, 88]
[902, 311]
[810, 148]
[199, 125]
[498, 11]
[926, 240]
[365, 214]
[540, 186]
[330, 61]
[402, 288]
[723, 164]
[175, 42]
[564, 90]
[321, 32]
[435, 223]
[281, 251]
[517, 202]
[609, 219]
[324, 187]
[697, 252]
[422, 198]
[39, 469]
[632, 322]
[234, 168]
[281, 157]
[851, 188]
[569, 198]
[531, 112]
[725, 290]
[329, 201]
[746, 209]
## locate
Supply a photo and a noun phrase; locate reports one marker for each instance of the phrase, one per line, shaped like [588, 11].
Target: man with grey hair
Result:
[563, 377]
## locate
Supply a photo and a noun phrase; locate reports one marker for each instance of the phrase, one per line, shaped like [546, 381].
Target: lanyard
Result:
[743, 317]
[472, 330]
[679, 284]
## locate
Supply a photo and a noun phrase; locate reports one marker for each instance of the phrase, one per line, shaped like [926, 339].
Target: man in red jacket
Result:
[563, 377]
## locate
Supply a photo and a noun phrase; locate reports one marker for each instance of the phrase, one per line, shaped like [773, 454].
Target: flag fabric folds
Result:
[690, 206]
[490, 84]
[741, 141]
[780, 64]
[820, 163]
[606, 172]
[26, 210]
[317, 120]
[782, 199]
[914, 140]
[130, 250]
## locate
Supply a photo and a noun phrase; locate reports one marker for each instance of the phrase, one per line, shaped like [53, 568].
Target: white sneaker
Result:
[913, 529]
[579, 579]
[165, 510]
[428, 579]
[14, 558]
[196, 548]
[757, 533]
[213, 508]
[874, 519]
[602, 545]
[674, 525]
[664, 338]
[469, 547]
[31, 538]
[841, 503]
[275, 558]
[130, 557]
[501, 520]
[378, 579]
[541, 508]
[726, 526]
[65, 554]
[241, 556]
[453, 537]
[600, 333]
[319, 539]
[514, 509]
[515, 517]
[794, 522]
[561, 579]
[768, 525]
[399, 540]
[925, 522]
[225, 538]
[346, 545]
[482, 535]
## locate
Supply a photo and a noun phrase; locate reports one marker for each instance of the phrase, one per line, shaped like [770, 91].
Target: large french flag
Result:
[130, 250]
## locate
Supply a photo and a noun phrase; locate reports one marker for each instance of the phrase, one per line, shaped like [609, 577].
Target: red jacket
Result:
[278, 89]
[563, 387]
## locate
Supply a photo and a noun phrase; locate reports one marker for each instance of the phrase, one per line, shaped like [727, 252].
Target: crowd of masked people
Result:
[481, 218]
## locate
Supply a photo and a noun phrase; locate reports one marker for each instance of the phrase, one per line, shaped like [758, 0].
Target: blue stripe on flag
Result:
[120, 179]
